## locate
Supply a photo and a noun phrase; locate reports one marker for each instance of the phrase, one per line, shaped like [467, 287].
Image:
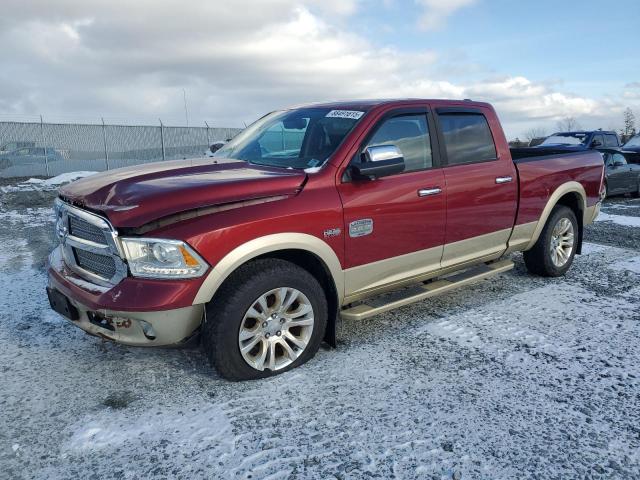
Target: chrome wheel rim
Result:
[562, 240]
[276, 329]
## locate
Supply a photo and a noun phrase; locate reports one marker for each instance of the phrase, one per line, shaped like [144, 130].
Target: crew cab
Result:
[311, 215]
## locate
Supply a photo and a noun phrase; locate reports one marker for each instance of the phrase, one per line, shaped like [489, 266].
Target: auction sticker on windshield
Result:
[354, 114]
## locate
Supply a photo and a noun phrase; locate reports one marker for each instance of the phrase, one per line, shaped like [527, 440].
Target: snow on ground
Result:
[514, 377]
[624, 220]
[30, 216]
[630, 264]
[46, 184]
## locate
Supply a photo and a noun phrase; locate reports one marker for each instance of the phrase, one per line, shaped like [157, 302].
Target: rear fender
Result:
[561, 191]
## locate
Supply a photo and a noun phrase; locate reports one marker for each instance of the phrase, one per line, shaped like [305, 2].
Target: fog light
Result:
[148, 330]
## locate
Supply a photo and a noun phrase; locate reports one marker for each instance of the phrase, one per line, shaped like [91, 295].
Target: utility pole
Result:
[104, 139]
[44, 147]
[162, 138]
[186, 112]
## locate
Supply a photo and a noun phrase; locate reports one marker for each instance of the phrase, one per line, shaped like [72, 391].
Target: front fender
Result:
[269, 244]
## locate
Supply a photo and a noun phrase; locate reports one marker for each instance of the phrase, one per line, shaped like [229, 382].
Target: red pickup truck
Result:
[312, 213]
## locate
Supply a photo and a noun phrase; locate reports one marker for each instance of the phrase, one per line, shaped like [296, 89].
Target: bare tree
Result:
[568, 124]
[535, 132]
[629, 123]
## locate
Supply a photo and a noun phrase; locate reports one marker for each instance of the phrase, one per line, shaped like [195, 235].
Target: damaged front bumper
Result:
[167, 327]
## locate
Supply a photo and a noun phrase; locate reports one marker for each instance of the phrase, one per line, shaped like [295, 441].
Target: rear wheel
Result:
[268, 317]
[553, 253]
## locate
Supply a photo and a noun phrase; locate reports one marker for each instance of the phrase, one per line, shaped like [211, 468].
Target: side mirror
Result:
[617, 164]
[379, 161]
[216, 146]
[596, 144]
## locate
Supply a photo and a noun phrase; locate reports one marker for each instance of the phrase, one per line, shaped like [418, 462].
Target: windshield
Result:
[566, 139]
[634, 142]
[300, 138]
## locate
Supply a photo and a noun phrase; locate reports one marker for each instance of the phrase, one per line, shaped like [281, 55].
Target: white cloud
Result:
[236, 60]
[436, 12]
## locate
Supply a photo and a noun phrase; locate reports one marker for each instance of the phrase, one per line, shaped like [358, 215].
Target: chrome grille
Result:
[102, 265]
[82, 229]
[89, 245]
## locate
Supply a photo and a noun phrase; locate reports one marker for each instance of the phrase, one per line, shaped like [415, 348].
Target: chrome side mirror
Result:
[380, 153]
[379, 161]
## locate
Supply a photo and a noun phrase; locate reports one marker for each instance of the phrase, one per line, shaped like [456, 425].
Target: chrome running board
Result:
[407, 296]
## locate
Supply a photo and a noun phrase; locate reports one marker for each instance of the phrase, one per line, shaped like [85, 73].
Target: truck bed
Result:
[533, 153]
[541, 171]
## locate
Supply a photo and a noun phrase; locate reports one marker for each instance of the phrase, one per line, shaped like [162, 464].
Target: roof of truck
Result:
[369, 103]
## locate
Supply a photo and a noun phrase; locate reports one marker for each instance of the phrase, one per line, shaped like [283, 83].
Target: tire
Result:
[235, 310]
[636, 194]
[540, 259]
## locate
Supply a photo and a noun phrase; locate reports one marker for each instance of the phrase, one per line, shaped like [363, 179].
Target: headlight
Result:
[157, 258]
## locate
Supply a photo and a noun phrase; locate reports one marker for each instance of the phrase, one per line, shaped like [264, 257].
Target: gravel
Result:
[513, 377]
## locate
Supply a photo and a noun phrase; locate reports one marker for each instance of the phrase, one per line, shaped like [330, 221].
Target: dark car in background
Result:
[631, 149]
[580, 141]
[621, 175]
[633, 145]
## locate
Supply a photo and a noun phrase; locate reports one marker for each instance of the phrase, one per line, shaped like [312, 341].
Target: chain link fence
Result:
[49, 149]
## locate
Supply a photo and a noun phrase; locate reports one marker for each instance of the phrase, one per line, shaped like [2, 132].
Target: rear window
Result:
[467, 138]
[610, 141]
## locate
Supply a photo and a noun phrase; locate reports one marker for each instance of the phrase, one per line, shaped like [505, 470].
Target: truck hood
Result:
[134, 196]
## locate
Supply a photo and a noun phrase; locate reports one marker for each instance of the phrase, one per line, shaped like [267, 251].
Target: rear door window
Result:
[467, 138]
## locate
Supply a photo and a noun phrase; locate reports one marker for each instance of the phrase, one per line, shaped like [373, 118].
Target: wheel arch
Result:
[306, 251]
[571, 195]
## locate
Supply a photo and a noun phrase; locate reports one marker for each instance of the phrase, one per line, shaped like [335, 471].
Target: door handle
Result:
[425, 192]
[500, 180]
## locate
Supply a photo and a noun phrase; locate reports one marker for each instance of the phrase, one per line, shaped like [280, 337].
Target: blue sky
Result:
[582, 46]
[537, 62]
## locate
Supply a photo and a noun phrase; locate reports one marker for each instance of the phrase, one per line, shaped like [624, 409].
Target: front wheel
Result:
[268, 317]
[553, 253]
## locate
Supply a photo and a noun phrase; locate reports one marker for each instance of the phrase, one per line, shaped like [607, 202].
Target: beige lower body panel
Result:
[390, 271]
[438, 287]
[471, 248]
[389, 274]
[521, 236]
[591, 213]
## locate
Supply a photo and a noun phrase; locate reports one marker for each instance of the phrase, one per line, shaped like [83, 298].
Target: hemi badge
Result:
[360, 228]
[332, 232]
